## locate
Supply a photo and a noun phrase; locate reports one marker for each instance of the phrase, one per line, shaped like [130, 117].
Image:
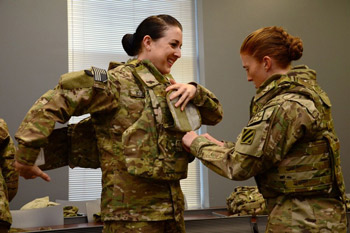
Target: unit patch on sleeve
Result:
[247, 136]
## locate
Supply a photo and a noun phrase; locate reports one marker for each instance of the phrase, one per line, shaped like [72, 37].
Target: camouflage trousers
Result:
[168, 226]
[307, 215]
[4, 226]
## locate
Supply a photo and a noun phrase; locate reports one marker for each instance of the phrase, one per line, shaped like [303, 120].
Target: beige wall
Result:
[324, 27]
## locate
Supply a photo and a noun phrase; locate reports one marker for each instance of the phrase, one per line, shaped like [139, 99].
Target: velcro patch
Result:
[248, 136]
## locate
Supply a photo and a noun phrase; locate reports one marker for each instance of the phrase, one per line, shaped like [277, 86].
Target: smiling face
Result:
[256, 72]
[164, 51]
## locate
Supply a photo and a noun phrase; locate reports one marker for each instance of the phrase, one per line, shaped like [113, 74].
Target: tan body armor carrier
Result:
[310, 167]
[152, 145]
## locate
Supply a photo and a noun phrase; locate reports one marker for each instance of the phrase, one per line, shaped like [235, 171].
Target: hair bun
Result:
[128, 44]
[295, 48]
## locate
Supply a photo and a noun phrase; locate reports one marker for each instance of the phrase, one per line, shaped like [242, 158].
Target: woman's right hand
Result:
[184, 91]
[212, 139]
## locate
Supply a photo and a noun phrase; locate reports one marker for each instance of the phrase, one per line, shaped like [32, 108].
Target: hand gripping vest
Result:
[296, 174]
[152, 145]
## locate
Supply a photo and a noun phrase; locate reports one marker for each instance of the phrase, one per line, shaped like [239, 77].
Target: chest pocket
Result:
[252, 138]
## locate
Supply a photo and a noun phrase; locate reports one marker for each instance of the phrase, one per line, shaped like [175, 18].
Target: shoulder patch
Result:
[252, 139]
[78, 79]
[99, 74]
[247, 136]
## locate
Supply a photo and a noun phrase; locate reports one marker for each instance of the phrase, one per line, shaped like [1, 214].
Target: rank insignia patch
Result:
[247, 136]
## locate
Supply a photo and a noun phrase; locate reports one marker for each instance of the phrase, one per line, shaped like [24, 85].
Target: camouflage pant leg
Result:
[169, 226]
[5, 215]
[4, 227]
[309, 215]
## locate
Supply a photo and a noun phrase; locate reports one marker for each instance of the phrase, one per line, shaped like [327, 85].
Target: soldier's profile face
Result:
[254, 69]
[166, 50]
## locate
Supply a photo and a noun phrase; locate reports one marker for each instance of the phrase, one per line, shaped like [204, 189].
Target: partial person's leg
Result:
[134, 227]
[173, 226]
[4, 226]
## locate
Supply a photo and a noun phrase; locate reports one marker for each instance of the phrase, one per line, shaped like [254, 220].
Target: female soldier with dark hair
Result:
[289, 144]
[139, 144]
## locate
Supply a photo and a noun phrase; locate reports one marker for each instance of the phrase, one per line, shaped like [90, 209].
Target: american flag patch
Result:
[99, 74]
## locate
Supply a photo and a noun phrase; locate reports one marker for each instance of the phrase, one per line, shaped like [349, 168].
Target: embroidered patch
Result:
[99, 74]
[248, 136]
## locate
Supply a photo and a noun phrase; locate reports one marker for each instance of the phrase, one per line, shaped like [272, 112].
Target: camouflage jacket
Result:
[113, 110]
[289, 144]
[8, 175]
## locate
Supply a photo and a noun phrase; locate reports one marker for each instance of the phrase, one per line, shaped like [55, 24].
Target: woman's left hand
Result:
[184, 91]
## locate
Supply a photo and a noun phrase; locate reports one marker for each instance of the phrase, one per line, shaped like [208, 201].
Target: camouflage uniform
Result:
[169, 226]
[8, 175]
[114, 106]
[290, 147]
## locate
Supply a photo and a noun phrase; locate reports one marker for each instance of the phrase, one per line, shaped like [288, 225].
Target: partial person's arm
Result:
[208, 105]
[262, 144]
[7, 154]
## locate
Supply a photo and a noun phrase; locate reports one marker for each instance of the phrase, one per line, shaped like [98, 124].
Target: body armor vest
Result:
[152, 146]
[312, 166]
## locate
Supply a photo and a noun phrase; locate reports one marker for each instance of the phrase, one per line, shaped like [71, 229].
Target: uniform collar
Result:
[280, 80]
[147, 66]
